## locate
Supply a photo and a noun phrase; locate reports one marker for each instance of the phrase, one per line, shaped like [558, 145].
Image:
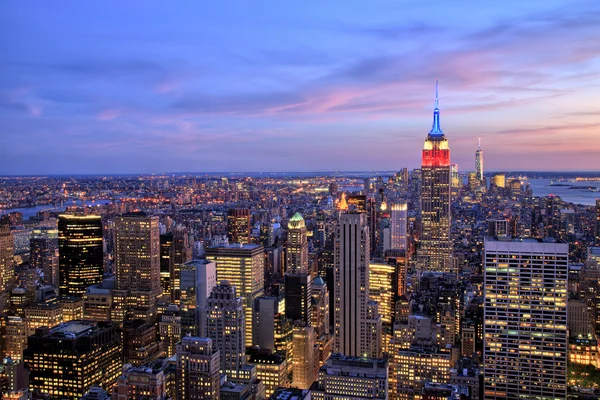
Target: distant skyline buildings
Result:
[348, 78]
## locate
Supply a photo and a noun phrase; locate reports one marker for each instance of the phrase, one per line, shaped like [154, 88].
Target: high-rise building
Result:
[242, 265]
[525, 329]
[479, 163]
[198, 278]
[81, 259]
[147, 381]
[304, 356]
[383, 289]
[435, 249]
[140, 344]
[399, 226]
[298, 298]
[456, 183]
[225, 325]
[351, 284]
[344, 377]
[597, 234]
[271, 368]
[266, 312]
[182, 253]
[197, 369]
[297, 246]
[7, 251]
[137, 259]
[167, 255]
[85, 354]
[43, 245]
[238, 225]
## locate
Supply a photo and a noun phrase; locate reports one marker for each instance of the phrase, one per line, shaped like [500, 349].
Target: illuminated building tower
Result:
[297, 246]
[137, 259]
[225, 325]
[479, 164]
[435, 249]
[198, 278]
[298, 298]
[14, 338]
[320, 307]
[273, 329]
[351, 284]
[197, 369]
[72, 308]
[7, 250]
[169, 328]
[85, 353]
[344, 377]
[525, 329]
[597, 223]
[80, 253]
[43, 244]
[304, 356]
[399, 226]
[243, 267]
[382, 289]
[43, 314]
[238, 225]
[456, 183]
[166, 263]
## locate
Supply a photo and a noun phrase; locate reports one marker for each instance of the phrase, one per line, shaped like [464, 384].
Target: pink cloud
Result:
[109, 114]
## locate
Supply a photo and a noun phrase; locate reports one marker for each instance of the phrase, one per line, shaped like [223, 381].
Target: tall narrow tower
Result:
[435, 249]
[479, 163]
[297, 246]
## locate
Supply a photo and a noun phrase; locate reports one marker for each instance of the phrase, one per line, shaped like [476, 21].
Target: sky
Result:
[92, 87]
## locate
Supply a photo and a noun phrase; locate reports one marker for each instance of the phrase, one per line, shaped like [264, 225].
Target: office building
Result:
[197, 369]
[137, 259]
[303, 356]
[65, 361]
[238, 225]
[270, 323]
[525, 330]
[225, 325]
[297, 246]
[7, 251]
[197, 280]
[597, 230]
[170, 329]
[142, 382]
[242, 265]
[167, 259]
[80, 255]
[399, 226]
[298, 296]
[435, 246]
[43, 245]
[140, 343]
[351, 284]
[271, 369]
[344, 377]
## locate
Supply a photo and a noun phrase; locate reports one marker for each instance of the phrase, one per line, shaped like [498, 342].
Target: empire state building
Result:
[435, 249]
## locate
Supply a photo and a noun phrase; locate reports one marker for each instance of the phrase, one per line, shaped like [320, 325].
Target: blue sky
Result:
[143, 86]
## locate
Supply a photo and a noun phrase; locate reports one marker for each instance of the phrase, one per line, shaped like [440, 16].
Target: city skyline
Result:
[125, 89]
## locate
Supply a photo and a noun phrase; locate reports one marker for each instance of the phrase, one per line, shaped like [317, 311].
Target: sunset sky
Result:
[205, 86]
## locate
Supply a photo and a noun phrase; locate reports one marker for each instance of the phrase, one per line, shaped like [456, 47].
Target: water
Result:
[541, 188]
[32, 211]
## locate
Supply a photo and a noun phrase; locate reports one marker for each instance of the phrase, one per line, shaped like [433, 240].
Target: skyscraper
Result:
[243, 267]
[7, 250]
[238, 225]
[297, 246]
[137, 258]
[597, 233]
[225, 325]
[351, 284]
[197, 369]
[435, 249]
[80, 253]
[198, 278]
[399, 225]
[298, 298]
[525, 329]
[43, 244]
[479, 163]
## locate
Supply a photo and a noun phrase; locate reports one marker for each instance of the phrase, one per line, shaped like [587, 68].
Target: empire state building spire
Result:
[436, 131]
